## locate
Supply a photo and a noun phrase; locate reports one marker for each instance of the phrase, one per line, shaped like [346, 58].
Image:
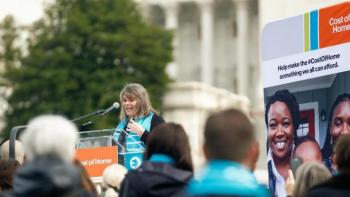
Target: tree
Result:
[10, 53]
[81, 54]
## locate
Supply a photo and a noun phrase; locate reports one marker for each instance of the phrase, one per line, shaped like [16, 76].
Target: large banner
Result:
[306, 73]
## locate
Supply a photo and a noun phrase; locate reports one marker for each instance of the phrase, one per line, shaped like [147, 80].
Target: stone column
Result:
[171, 23]
[144, 9]
[206, 10]
[170, 10]
[242, 31]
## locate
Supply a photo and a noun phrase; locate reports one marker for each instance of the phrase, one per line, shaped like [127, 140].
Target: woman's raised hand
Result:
[135, 128]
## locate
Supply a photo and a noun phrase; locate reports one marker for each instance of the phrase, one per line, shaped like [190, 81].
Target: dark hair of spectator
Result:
[342, 152]
[170, 139]
[289, 99]
[7, 171]
[85, 178]
[228, 135]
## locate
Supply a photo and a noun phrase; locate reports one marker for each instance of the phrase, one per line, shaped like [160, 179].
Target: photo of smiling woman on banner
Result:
[282, 118]
[338, 124]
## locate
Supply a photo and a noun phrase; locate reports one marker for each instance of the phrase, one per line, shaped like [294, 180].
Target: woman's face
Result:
[130, 105]
[340, 120]
[280, 129]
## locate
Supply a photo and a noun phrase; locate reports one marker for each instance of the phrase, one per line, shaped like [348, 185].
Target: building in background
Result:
[216, 58]
[216, 61]
[207, 34]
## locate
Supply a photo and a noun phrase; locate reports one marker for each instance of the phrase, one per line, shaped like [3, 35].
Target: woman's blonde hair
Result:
[137, 91]
[112, 178]
[308, 175]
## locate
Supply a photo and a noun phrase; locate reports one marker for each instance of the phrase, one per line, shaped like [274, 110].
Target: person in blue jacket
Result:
[137, 118]
[232, 152]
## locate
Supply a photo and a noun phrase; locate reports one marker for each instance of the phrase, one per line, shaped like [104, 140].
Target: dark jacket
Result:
[47, 176]
[156, 120]
[337, 186]
[155, 180]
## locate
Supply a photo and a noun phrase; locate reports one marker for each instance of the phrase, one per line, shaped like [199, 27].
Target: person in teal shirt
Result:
[232, 152]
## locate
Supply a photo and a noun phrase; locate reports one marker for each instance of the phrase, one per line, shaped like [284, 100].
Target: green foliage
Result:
[81, 54]
[10, 53]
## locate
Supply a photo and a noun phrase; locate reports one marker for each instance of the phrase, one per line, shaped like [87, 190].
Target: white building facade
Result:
[215, 41]
[215, 64]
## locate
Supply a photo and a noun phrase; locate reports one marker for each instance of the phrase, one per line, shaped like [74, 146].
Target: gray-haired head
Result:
[50, 134]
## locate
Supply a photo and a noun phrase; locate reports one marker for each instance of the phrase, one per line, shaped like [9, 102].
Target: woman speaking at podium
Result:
[137, 116]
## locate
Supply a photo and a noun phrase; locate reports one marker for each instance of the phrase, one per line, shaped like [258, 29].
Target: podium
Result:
[95, 151]
[130, 154]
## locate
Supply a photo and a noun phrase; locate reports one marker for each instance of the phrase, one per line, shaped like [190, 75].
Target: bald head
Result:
[308, 151]
[19, 151]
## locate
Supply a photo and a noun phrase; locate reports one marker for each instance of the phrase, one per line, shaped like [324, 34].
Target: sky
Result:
[24, 11]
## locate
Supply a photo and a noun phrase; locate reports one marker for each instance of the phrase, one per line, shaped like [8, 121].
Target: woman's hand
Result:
[135, 127]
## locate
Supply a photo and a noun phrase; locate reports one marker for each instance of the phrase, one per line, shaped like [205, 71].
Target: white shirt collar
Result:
[280, 190]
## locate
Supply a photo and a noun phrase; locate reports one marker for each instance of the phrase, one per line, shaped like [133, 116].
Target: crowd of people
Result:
[45, 163]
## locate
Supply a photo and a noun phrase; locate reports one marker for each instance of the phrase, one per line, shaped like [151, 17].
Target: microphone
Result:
[114, 105]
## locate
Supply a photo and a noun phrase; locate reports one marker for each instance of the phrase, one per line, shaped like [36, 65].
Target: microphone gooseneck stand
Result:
[98, 112]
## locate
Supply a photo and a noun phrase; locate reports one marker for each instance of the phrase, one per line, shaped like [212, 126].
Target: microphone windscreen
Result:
[116, 105]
